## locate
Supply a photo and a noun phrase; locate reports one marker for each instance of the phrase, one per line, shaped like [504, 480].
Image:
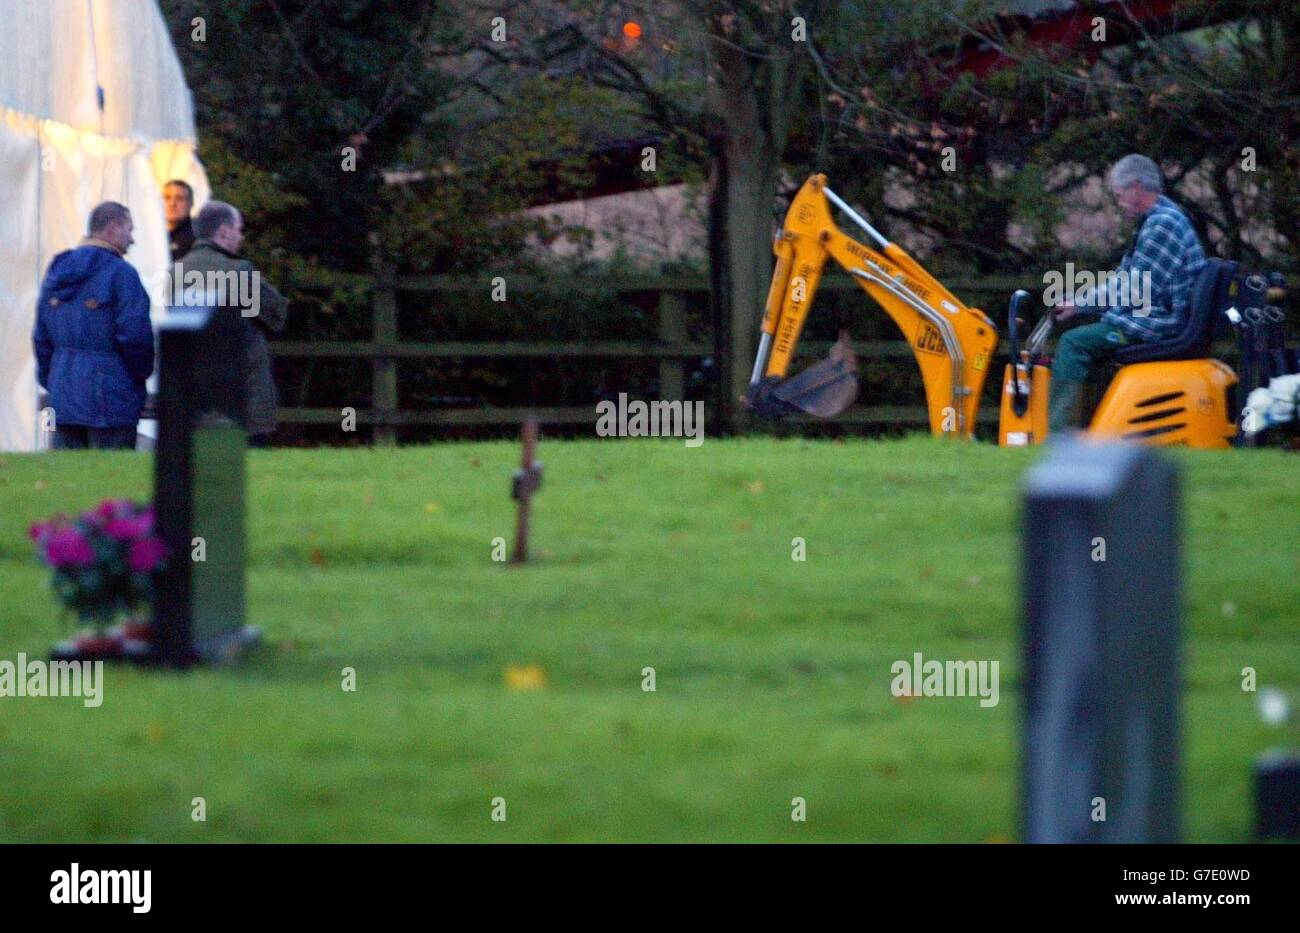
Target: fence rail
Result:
[580, 414]
[671, 349]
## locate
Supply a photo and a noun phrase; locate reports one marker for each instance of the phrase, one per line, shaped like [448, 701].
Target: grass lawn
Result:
[772, 675]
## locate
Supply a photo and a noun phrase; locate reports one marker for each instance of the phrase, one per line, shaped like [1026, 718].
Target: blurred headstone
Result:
[1277, 796]
[1101, 587]
[199, 489]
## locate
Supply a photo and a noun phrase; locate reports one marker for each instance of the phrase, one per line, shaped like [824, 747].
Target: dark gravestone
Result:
[199, 488]
[1101, 586]
[1277, 795]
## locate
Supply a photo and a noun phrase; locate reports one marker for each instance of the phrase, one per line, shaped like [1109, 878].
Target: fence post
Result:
[384, 391]
[672, 330]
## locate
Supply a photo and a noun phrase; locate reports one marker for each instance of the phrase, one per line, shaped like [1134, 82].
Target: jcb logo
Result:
[918, 289]
[929, 341]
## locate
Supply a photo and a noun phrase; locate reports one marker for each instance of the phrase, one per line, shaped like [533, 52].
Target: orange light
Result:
[632, 30]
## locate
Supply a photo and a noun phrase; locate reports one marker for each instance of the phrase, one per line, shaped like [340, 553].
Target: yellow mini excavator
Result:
[1165, 393]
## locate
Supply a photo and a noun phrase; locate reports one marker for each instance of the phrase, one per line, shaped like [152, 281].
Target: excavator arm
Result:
[952, 343]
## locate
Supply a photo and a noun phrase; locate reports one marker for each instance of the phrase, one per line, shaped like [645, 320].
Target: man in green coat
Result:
[214, 267]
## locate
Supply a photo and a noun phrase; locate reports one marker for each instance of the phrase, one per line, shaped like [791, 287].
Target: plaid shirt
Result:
[1166, 247]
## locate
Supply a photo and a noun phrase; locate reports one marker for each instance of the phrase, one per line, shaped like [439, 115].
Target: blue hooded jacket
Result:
[93, 338]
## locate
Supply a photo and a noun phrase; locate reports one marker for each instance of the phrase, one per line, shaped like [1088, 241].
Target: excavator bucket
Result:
[824, 389]
[952, 343]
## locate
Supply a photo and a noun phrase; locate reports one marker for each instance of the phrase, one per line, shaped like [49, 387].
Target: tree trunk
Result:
[719, 281]
[751, 191]
[742, 191]
[751, 100]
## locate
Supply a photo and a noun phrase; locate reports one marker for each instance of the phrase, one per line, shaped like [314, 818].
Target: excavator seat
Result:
[1211, 294]
[1170, 392]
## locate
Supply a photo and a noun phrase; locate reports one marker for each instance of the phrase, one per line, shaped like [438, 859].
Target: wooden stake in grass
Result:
[527, 480]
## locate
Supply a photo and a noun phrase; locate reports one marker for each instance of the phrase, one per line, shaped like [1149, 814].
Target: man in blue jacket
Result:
[93, 338]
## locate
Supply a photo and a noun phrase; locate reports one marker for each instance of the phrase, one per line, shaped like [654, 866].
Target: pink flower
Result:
[146, 554]
[67, 547]
[126, 529]
[40, 530]
[113, 508]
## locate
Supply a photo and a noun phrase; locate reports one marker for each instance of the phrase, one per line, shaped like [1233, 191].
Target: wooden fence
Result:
[671, 348]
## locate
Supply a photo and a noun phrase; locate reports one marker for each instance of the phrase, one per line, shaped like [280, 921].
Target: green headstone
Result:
[199, 607]
[218, 581]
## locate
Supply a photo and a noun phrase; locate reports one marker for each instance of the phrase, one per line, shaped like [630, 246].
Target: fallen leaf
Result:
[317, 557]
[755, 487]
[525, 677]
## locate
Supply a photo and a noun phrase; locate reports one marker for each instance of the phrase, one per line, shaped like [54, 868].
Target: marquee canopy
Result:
[93, 107]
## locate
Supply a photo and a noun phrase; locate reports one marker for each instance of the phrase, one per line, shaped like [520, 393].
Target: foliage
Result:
[286, 91]
[1026, 137]
[281, 87]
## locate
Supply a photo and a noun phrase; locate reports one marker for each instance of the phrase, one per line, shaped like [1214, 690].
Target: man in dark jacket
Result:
[178, 202]
[241, 290]
[93, 339]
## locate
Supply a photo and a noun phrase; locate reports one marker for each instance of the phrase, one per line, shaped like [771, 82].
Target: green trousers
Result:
[1080, 355]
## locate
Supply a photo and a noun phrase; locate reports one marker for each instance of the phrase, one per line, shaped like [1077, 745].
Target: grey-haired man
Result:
[1165, 248]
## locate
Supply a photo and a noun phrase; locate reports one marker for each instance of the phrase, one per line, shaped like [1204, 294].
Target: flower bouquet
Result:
[104, 564]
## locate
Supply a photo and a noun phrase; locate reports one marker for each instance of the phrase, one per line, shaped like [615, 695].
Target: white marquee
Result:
[93, 107]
